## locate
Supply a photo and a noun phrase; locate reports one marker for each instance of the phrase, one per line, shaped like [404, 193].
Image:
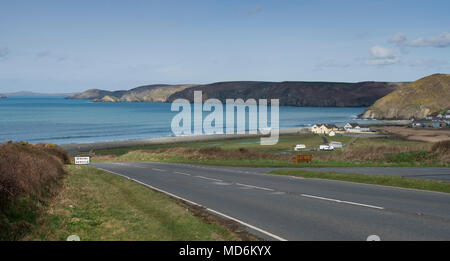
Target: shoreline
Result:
[83, 147]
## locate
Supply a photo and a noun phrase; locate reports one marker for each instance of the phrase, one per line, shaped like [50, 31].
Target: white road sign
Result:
[82, 160]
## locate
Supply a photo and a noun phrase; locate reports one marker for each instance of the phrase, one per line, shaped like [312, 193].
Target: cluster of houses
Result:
[332, 129]
[436, 122]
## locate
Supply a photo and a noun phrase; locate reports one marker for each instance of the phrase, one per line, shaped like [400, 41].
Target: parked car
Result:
[326, 147]
[299, 147]
[335, 144]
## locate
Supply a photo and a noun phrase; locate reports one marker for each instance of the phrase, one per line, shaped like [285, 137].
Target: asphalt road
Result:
[288, 208]
[407, 172]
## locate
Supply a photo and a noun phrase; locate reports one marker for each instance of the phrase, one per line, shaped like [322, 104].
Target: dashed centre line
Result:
[342, 201]
[182, 173]
[201, 177]
[220, 182]
[256, 187]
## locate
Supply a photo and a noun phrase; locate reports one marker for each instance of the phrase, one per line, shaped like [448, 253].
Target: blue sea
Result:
[61, 121]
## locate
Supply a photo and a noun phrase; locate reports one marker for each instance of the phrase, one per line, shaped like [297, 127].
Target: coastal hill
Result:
[96, 94]
[426, 96]
[148, 93]
[315, 94]
[2, 96]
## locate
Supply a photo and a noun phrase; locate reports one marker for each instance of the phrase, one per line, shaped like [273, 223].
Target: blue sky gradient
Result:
[69, 46]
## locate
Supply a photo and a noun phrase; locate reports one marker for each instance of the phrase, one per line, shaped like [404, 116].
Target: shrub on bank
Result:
[29, 174]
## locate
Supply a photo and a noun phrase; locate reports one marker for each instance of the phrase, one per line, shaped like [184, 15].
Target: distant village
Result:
[351, 128]
[333, 130]
[436, 121]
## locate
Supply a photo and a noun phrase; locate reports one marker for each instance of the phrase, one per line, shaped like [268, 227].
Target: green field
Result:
[390, 151]
[285, 144]
[96, 205]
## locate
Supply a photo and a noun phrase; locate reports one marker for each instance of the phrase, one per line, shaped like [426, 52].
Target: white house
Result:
[323, 128]
[354, 127]
[351, 125]
[358, 129]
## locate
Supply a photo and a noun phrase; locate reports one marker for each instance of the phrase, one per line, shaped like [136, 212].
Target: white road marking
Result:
[256, 187]
[196, 204]
[222, 183]
[342, 201]
[158, 169]
[201, 177]
[182, 173]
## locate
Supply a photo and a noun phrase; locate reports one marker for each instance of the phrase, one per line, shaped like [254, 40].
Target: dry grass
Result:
[28, 175]
[216, 153]
[372, 152]
[442, 149]
[419, 134]
[381, 151]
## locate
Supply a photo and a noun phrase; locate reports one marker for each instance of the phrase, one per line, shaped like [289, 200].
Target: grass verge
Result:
[244, 161]
[96, 205]
[393, 181]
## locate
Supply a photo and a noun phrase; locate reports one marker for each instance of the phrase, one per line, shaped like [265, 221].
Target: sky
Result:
[69, 46]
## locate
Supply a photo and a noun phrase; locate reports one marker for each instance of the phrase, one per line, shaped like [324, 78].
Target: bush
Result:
[441, 147]
[28, 175]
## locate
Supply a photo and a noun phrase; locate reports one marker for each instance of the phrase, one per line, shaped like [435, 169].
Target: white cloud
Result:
[398, 38]
[382, 56]
[442, 40]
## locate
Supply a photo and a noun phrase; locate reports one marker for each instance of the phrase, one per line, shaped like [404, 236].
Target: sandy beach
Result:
[72, 148]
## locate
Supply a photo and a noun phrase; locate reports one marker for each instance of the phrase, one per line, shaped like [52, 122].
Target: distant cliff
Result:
[315, 94]
[2, 96]
[148, 93]
[416, 100]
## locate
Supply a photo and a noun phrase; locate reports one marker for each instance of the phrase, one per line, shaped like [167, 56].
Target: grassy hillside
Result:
[417, 100]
